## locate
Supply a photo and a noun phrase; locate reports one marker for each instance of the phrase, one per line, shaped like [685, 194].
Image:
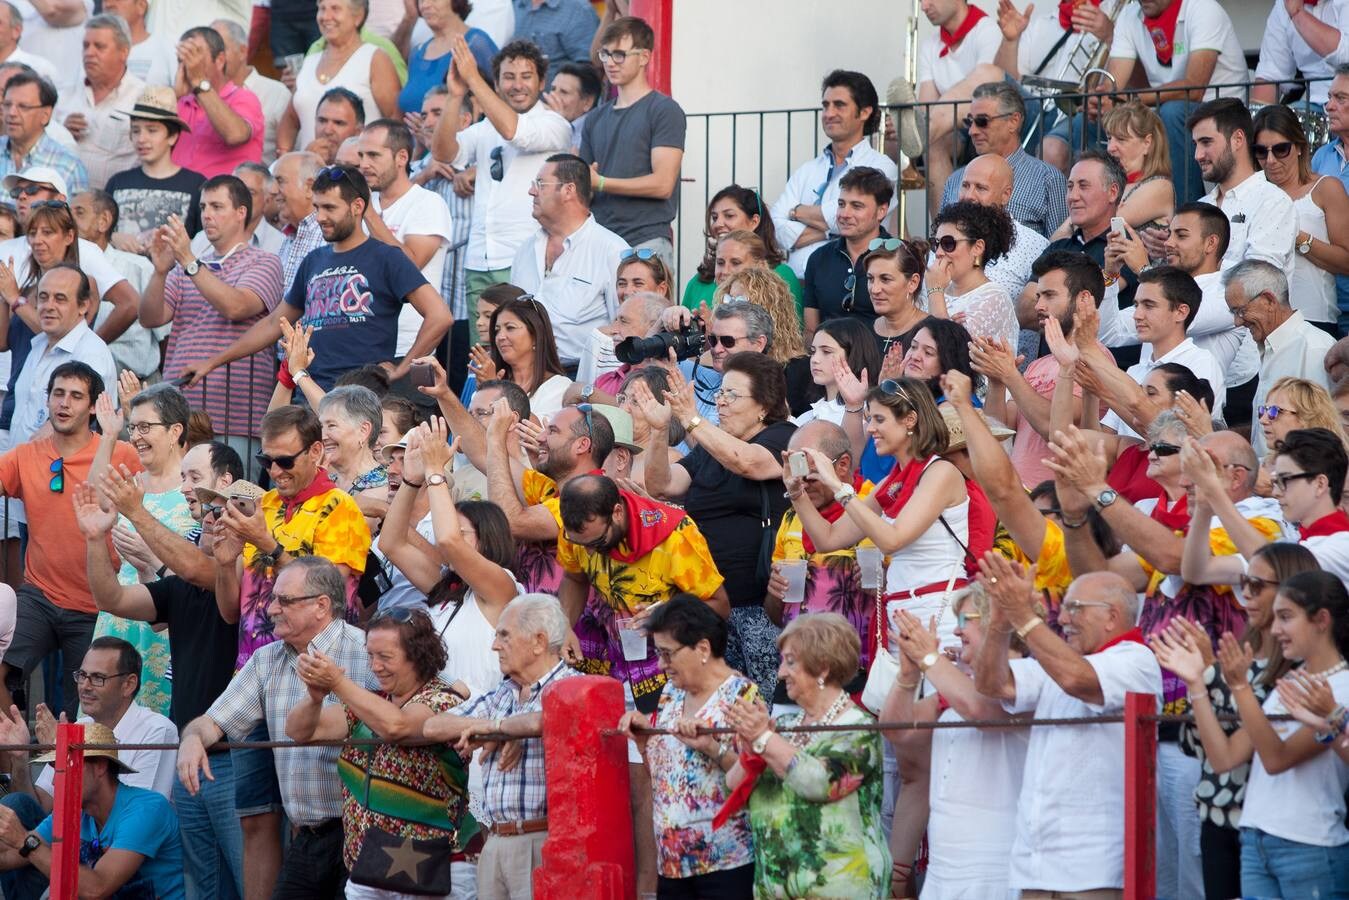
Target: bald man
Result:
[989, 180]
[1070, 818]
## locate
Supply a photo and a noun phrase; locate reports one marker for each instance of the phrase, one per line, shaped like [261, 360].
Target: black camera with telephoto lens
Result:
[688, 343]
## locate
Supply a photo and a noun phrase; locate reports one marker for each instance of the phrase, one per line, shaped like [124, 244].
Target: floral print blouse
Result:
[688, 787]
[817, 832]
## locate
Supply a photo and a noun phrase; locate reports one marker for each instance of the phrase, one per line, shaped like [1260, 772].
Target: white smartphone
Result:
[1119, 226]
[798, 465]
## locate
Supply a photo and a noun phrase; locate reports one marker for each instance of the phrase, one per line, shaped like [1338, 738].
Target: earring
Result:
[820, 682]
[704, 660]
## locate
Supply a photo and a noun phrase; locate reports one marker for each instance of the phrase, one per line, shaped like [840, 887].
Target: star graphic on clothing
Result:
[404, 857]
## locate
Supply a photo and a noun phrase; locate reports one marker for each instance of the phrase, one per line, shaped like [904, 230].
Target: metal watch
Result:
[192, 268]
[296, 376]
[1305, 247]
[587, 392]
[30, 843]
[1106, 497]
[435, 478]
[202, 87]
[928, 661]
[693, 423]
[760, 743]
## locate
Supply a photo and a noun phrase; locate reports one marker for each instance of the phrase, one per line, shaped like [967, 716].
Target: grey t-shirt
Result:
[621, 140]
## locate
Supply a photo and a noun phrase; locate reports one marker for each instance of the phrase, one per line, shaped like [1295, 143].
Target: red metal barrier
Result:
[1140, 797]
[588, 854]
[69, 788]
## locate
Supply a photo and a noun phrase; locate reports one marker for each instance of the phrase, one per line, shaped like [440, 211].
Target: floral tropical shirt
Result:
[833, 584]
[688, 788]
[817, 833]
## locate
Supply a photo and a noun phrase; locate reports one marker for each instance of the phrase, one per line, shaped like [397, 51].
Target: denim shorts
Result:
[256, 790]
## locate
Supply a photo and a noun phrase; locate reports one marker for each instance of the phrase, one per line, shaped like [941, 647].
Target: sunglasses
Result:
[334, 174]
[1161, 449]
[58, 469]
[27, 190]
[1272, 412]
[1255, 585]
[893, 388]
[498, 169]
[586, 410]
[850, 285]
[947, 243]
[725, 340]
[212, 509]
[598, 543]
[981, 121]
[889, 245]
[285, 462]
[400, 614]
[291, 601]
[642, 253]
[1280, 150]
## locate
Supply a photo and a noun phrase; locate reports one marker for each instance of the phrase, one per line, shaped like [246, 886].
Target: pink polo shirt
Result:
[202, 149]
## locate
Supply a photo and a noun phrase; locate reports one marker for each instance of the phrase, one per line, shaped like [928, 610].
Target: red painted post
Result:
[69, 768]
[588, 854]
[1140, 797]
[659, 14]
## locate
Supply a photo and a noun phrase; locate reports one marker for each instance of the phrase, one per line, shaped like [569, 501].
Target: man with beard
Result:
[1065, 282]
[508, 147]
[350, 292]
[403, 214]
[1264, 224]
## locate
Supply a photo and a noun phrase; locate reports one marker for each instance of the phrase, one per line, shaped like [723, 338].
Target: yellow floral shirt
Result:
[680, 563]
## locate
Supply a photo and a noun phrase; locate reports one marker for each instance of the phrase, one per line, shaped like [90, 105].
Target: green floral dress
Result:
[170, 508]
[817, 833]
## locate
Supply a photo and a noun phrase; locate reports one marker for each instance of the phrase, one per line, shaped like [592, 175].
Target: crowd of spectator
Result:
[366, 403]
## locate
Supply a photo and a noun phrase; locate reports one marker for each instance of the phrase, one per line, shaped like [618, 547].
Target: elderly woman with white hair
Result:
[351, 418]
[529, 638]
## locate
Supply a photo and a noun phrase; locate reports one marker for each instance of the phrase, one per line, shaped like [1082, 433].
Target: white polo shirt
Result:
[978, 47]
[1187, 354]
[1070, 830]
[503, 211]
[105, 149]
[1203, 25]
[578, 292]
[1296, 349]
[1263, 221]
[1285, 55]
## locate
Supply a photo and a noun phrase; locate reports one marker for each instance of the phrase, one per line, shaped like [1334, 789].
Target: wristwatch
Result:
[192, 268]
[268, 559]
[1304, 247]
[435, 479]
[928, 661]
[1105, 498]
[693, 423]
[844, 495]
[586, 393]
[296, 376]
[202, 87]
[760, 743]
[30, 843]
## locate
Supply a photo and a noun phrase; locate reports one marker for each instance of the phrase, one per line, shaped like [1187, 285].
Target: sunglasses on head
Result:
[285, 462]
[642, 253]
[1280, 150]
[334, 174]
[58, 469]
[1161, 448]
[400, 614]
[889, 245]
[587, 410]
[947, 242]
[893, 388]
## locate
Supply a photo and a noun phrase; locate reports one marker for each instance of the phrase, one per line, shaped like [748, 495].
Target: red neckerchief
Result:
[831, 513]
[753, 764]
[982, 523]
[1129, 474]
[649, 523]
[1134, 177]
[949, 40]
[1162, 30]
[1175, 519]
[320, 485]
[1133, 634]
[1066, 8]
[897, 487]
[1332, 524]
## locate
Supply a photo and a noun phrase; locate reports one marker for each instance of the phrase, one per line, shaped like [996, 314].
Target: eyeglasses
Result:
[1073, 607]
[540, 185]
[947, 242]
[286, 462]
[964, 618]
[498, 169]
[143, 428]
[97, 679]
[1162, 449]
[11, 106]
[889, 245]
[27, 190]
[1280, 150]
[58, 469]
[1279, 480]
[291, 601]
[1239, 312]
[725, 340]
[723, 395]
[1273, 412]
[981, 121]
[618, 57]
[596, 544]
[642, 253]
[666, 656]
[1255, 585]
[893, 388]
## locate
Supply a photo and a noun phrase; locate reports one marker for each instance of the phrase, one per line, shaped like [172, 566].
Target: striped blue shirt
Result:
[1039, 192]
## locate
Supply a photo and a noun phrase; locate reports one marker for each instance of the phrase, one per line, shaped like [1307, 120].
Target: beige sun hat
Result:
[236, 490]
[957, 430]
[94, 733]
[159, 103]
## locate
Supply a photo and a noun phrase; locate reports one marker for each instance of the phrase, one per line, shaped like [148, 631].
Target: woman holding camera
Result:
[731, 484]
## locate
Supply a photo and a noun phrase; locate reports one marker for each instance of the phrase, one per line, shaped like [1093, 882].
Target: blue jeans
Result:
[213, 844]
[1189, 183]
[1274, 867]
[26, 883]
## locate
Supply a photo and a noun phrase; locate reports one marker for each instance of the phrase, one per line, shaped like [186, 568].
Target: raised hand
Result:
[120, 488]
[414, 462]
[93, 521]
[683, 405]
[45, 726]
[298, 354]
[1012, 22]
[915, 640]
[500, 422]
[822, 469]
[480, 361]
[1202, 642]
[436, 449]
[957, 388]
[1075, 461]
[530, 434]
[161, 252]
[128, 385]
[1307, 698]
[1086, 327]
[993, 359]
[852, 389]
[1234, 658]
[1010, 587]
[318, 671]
[14, 730]
[1066, 353]
[892, 366]
[1194, 414]
[1199, 466]
[441, 388]
[110, 421]
[1177, 651]
[657, 414]
[9, 284]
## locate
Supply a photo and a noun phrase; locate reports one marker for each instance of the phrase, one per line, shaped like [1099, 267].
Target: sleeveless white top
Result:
[1311, 290]
[973, 817]
[354, 76]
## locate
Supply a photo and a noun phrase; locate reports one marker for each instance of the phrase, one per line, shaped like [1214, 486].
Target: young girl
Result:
[1293, 839]
[839, 342]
